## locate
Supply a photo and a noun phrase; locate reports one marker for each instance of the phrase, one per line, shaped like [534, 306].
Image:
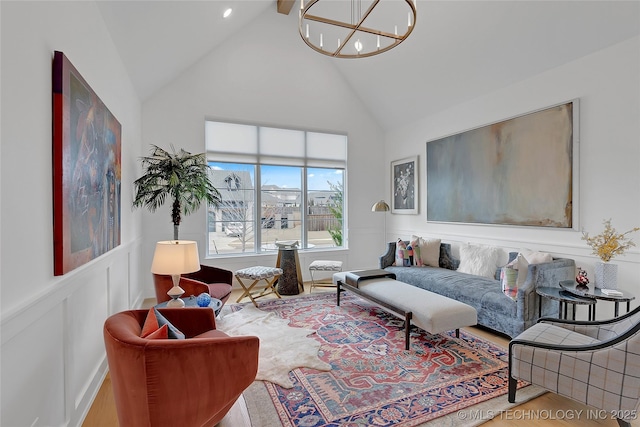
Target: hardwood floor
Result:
[546, 410]
[103, 409]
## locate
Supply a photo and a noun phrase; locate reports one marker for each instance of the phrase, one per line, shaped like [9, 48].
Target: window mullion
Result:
[257, 213]
[303, 206]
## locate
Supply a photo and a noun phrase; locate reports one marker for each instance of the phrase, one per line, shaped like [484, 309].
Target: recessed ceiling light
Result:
[227, 13]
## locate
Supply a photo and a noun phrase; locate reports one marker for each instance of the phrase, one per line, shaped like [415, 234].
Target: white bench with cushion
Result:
[429, 311]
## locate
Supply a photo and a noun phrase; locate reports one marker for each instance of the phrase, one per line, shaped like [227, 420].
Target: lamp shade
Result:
[175, 257]
[380, 206]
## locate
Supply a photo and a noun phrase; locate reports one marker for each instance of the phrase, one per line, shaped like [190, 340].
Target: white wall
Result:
[52, 350]
[266, 75]
[607, 83]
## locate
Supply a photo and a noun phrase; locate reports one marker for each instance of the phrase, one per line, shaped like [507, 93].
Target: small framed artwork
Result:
[404, 186]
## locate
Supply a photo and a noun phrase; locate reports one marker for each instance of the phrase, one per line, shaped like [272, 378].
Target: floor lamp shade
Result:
[175, 257]
[380, 206]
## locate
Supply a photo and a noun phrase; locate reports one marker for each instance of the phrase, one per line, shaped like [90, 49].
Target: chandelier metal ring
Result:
[335, 31]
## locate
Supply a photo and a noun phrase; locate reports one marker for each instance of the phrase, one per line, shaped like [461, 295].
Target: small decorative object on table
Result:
[203, 300]
[606, 245]
[582, 278]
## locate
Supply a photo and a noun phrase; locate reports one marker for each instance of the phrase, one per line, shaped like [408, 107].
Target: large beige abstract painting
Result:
[515, 172]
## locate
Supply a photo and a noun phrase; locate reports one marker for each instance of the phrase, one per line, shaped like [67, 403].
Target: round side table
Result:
[191, 301]
[564, 298]
[596, 294]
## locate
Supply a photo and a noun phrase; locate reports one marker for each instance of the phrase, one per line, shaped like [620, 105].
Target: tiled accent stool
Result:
[258, 273]
[320, 265]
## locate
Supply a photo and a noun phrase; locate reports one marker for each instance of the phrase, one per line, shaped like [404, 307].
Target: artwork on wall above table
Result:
[404, 186]
[86, 171]
[522, 171]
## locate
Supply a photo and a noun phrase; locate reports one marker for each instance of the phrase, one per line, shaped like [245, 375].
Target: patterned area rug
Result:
[373, 380]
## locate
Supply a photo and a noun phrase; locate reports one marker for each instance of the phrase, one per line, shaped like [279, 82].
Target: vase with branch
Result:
[181, 176]
[606, 245]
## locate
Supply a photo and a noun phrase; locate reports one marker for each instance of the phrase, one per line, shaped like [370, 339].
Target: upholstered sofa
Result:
[495, 309]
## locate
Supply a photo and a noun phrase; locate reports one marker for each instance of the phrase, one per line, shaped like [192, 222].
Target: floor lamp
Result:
[381, 206]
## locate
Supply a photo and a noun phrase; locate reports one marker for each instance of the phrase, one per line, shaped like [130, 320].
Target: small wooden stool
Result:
[258, 273]
[320, 265]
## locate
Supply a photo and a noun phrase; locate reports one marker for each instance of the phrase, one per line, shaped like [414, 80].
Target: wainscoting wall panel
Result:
[53, 356]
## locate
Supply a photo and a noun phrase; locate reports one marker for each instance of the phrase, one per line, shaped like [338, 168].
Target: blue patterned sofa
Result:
[496, 311]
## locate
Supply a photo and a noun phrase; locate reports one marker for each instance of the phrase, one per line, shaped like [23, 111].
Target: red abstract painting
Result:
[86, 171]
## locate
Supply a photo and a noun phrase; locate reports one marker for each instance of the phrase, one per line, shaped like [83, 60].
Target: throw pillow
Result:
[480, 260]
[446, 258]
[526, 257]
[155, 321]
[429, 250]
[415, 244]
[508, 278]
[522, 265]
[159, 334]
[536, 257]
[401, 247]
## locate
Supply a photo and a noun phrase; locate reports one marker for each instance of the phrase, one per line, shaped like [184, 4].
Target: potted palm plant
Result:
[181, 176]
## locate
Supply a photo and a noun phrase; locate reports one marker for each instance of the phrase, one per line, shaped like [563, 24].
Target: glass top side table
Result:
[565, 298]
[596, 293]
[191, 301]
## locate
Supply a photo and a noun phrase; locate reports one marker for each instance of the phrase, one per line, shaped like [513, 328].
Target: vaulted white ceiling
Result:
[459, 50]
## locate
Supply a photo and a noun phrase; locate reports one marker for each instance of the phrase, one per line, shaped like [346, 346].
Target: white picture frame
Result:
[404, 186]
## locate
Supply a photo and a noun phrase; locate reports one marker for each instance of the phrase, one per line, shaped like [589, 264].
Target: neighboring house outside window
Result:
[275, 185]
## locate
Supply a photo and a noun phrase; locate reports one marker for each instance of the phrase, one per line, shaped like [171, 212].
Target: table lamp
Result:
[175, 257]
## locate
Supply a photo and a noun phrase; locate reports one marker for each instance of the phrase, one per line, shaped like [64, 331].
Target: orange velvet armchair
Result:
[167, 382]
[212, 280]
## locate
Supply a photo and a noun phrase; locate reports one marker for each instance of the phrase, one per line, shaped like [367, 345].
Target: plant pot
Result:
[606, 275]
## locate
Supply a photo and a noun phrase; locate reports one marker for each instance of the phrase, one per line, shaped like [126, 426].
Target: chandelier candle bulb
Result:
[321, 40]
[378, 41]
[307, 30]
[358, 45]
[409, 19]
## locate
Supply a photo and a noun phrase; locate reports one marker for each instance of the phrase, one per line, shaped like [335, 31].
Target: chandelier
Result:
[355, 28]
